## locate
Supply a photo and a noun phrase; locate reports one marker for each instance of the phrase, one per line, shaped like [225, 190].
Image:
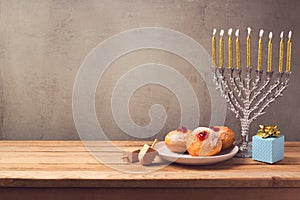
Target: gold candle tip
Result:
[230, 31]
[237, 32]
[290, 34]
[214, 32]
[221, 32]
[281, 35]
[261, 33]
[270, 35]
[249, 31]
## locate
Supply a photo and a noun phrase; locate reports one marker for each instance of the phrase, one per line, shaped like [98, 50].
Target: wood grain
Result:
[62, 164]
[150, 193]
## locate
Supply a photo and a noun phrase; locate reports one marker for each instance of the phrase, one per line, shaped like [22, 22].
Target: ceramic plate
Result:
[186, 159]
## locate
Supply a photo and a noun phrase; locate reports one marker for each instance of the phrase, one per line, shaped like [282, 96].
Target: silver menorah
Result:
[248, 95]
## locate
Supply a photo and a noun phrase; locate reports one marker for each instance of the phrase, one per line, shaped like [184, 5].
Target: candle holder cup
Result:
[248, 95]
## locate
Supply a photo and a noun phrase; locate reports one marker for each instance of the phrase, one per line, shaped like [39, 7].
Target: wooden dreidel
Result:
[147, 153]
[131, 156]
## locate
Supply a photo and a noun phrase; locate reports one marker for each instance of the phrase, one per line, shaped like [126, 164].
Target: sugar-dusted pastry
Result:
[203, 141]
[176, 140]
[226, 134]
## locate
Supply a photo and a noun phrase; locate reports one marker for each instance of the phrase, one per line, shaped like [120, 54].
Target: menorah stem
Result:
[245, 147]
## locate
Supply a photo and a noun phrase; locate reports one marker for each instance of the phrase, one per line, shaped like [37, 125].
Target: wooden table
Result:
[66, 170]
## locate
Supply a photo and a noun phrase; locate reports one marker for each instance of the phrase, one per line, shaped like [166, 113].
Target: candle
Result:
[221, 49]
[237, 50]
[289, 53]
[213, 48]
[259, 56]
[248, 48]
[230, 63]
[269, 69]
[281, 47]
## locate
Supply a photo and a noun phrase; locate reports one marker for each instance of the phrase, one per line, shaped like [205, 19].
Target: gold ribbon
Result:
[268, 131]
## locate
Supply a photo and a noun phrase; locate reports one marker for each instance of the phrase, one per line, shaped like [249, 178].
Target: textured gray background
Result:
[43, 43]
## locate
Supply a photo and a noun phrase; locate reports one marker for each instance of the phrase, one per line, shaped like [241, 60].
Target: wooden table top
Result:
[70, 164]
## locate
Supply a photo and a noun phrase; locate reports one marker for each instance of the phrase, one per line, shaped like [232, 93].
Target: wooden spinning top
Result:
[145, 155]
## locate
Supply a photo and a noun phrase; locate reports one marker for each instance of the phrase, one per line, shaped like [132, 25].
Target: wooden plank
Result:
[84, 149]
[166, 168]
[69, 164]
[54, 143]
[150, 193]
[28, 146]
[111, 157]
[291, 158]
[157, 179]
[66, 148]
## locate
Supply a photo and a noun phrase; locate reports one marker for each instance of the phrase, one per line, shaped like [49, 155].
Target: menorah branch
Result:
[256, 92]
[265, 95]
[279, 86]
[234, 83]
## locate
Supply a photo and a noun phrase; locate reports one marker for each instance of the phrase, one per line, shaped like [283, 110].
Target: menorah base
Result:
[245, 150]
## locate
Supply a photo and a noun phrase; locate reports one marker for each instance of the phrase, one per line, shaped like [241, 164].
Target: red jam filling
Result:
[182, 129]
[202, 135]
[216, 129]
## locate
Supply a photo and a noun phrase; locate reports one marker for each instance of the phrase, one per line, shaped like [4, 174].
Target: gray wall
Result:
[43, 43]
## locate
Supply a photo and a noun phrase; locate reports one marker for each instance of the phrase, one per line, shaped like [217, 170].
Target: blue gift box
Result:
[269, 150]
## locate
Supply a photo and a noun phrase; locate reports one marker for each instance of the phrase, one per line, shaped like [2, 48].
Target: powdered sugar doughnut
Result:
[203, 141]
[176, 140]
[226, 134]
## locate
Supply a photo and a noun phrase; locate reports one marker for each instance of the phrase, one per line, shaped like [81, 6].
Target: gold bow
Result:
[268, 131]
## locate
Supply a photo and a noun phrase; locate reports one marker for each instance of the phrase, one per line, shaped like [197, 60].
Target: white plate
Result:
[186, 159]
